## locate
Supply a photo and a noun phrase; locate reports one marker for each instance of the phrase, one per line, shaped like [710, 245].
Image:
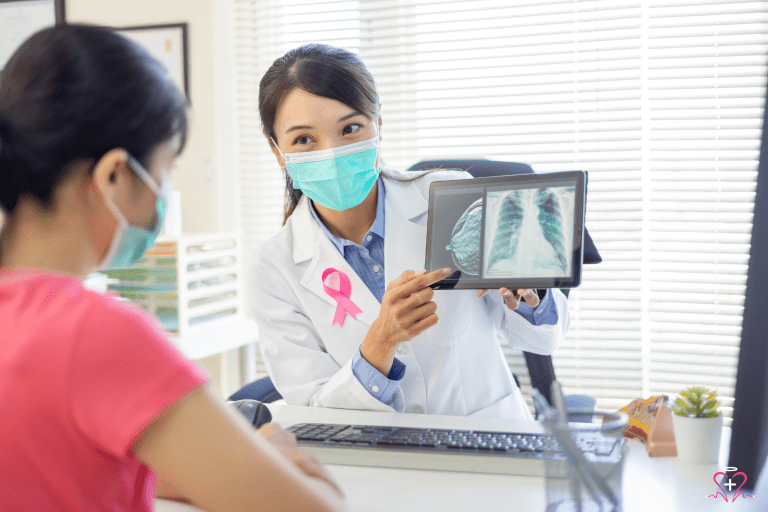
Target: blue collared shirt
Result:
[367, 261]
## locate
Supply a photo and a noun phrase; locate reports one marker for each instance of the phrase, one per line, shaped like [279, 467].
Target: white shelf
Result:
[217, 336]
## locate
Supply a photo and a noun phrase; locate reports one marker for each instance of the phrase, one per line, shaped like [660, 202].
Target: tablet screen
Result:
[521, 231]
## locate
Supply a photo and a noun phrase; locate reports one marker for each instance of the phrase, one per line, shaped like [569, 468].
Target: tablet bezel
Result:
[536, 181]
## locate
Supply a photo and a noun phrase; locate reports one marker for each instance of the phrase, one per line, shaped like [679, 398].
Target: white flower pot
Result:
[697, 439]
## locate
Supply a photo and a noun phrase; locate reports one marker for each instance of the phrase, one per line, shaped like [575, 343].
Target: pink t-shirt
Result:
[80, 375]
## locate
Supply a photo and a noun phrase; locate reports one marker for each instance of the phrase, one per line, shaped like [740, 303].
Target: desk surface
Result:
[655, 484]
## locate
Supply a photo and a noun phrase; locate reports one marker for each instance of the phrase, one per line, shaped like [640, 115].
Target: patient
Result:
[99, 410]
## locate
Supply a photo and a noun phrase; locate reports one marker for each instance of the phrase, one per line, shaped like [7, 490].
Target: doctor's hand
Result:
[512, 299]
[406, 311]
[305, 460]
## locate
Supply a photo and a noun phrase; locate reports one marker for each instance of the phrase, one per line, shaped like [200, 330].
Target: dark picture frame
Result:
[59, 18]
[148, 35]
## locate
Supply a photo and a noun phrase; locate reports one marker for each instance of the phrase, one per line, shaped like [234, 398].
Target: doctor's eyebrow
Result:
[341, 120]
[299, 127]
[350, 116]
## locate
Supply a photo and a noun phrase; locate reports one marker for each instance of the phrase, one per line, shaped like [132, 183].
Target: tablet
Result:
[522, 231]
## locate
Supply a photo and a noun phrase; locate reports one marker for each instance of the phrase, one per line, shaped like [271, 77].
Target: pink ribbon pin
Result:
[344, 305]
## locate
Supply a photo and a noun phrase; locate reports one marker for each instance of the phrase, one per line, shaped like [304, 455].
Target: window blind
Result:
[660, 101]
[706, 79]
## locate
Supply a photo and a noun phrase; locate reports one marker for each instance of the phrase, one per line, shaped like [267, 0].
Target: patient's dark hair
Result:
[322, 70]
[73, 92]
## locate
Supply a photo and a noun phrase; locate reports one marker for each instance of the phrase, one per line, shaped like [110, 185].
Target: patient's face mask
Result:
[338, 178]
[129, 243]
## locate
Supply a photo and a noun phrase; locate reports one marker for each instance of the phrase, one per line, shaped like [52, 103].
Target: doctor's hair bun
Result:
[71, 93]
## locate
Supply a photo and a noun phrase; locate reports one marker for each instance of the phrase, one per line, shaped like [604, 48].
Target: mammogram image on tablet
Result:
[465, 239]
[529, 232]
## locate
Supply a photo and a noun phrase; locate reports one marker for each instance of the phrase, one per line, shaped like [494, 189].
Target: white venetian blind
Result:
[659, 101]
[706, 86]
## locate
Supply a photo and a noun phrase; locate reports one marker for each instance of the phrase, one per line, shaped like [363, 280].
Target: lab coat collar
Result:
[305, 231]
[403, 196]
[310, 242]
[377, 227]
[406, 241]
[404, 244]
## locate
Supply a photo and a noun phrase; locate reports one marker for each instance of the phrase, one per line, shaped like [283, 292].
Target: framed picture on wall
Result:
[168, 44]
[19, 19]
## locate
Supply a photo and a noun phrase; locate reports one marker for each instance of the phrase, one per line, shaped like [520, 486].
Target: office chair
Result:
[540, 370]
[261, 389]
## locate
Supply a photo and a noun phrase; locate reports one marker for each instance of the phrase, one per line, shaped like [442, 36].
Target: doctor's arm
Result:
[304, 372]
[302, 369]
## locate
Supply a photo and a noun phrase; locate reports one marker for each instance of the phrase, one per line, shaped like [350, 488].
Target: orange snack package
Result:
[650, 422]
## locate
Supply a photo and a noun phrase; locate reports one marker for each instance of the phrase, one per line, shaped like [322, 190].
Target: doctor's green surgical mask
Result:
[338, 178]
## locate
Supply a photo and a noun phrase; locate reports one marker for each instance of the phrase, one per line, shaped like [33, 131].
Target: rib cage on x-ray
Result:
[508, 222]
[528, 233]
[551, 222]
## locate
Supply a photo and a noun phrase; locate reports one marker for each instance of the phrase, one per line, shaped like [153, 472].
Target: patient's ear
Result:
[111, 175]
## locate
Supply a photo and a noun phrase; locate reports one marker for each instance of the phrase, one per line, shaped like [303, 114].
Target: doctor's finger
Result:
[404, 278]
[417, 299]
[510, 299]
[480, 293]
[421, 282]
[422, 325]
[530, 296]
[409, 317]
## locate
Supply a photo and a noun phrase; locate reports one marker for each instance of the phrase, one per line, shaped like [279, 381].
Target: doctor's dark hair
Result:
[70, 94]
[322, 70]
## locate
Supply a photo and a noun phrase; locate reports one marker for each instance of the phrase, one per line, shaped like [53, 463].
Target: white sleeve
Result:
[301, 369]
[520, 333]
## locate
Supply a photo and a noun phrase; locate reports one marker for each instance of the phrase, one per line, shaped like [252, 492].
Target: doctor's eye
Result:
[351, 128]
[302, 139]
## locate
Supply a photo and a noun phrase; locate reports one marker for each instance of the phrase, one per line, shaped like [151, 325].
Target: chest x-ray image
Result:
[528, 232]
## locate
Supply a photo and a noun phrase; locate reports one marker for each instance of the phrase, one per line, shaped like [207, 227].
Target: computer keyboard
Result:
[444, 449]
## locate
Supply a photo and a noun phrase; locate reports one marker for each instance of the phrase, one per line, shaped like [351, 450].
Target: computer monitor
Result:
[749, 434]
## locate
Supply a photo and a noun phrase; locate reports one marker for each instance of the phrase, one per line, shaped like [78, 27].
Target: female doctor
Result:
[344, 319]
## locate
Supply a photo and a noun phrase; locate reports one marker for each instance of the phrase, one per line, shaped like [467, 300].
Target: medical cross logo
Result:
[732, 482]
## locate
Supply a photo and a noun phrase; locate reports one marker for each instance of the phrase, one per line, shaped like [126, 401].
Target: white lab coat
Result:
[454, 368]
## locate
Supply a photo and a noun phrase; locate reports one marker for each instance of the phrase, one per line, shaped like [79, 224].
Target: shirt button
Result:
[375, 389]
[376, 268]
[369, 237]
[401, 349]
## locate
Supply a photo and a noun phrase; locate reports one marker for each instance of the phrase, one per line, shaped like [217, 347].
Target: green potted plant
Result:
[698, 425]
